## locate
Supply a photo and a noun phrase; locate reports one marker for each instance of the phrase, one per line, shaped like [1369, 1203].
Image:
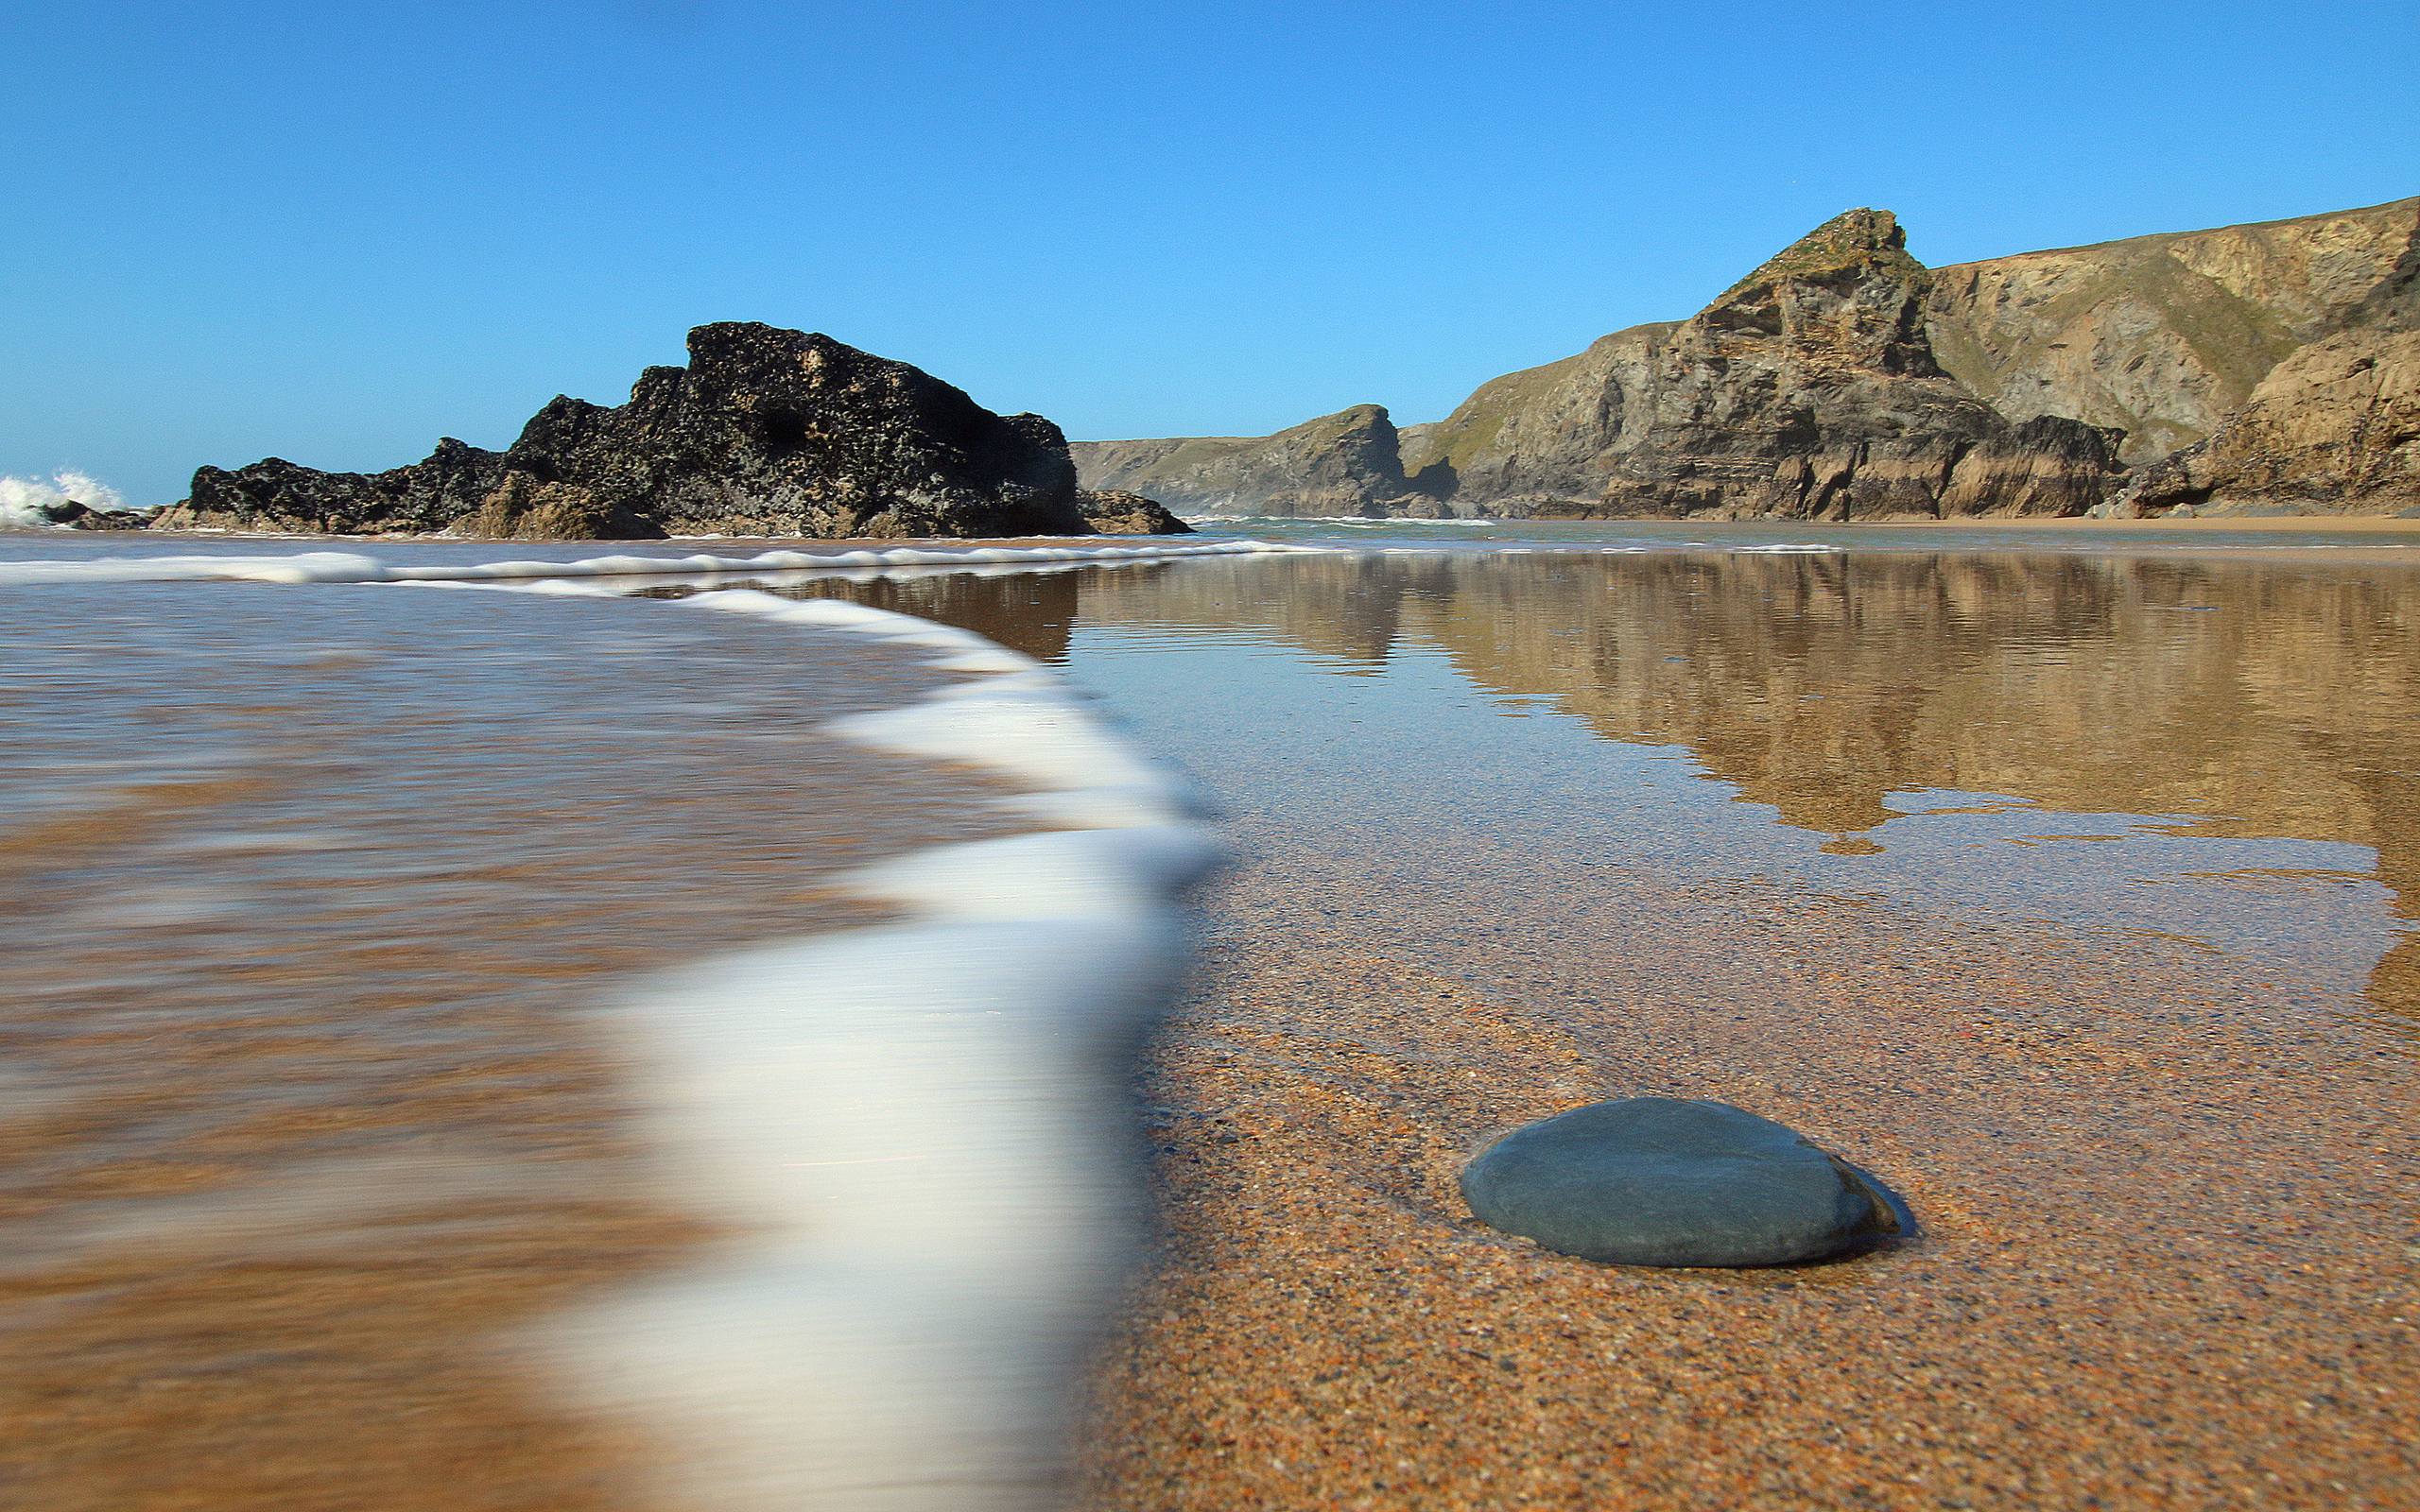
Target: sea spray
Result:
[25, 503]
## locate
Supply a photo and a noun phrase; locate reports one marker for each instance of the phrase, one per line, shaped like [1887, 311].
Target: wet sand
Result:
[2342, 524]
[2167, 1256]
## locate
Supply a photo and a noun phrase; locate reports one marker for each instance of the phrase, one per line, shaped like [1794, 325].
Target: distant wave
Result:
[354, 567]
[23, 501]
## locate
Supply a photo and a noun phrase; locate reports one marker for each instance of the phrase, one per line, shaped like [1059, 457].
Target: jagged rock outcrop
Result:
[2163, 336]
[1809, 390]
[2334, 428]
[1118, 512]
[1348, 463]
[76, 515]
[766, 432]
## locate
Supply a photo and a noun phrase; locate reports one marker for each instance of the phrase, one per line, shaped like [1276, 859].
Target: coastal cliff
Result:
[2334, 429]
[1844, 380]
[766, 432]
[2162, 337]
[1809, 390]
[1348, 463]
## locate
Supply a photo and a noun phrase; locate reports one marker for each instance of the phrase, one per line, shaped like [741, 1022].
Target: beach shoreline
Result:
[2314, 523]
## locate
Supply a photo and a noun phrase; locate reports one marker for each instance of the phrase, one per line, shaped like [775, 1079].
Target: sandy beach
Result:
[2339, 525]
[2150, 1110]
[2163, 1261]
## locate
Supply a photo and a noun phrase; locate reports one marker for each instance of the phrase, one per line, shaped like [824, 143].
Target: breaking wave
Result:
[23, 501]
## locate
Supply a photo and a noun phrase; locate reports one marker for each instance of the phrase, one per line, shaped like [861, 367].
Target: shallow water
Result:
[2215, 747]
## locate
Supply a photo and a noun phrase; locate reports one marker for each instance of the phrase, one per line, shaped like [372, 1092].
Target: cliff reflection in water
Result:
[2265, 694]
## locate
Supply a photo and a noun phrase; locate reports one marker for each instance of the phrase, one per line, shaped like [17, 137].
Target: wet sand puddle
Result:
[2072, 893]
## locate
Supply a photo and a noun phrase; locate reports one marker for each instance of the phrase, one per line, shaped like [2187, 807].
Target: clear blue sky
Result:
[335, 231]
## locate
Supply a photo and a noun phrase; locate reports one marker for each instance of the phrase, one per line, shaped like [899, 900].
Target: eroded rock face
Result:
[1844, 381]
[1809, 390]
[766, 432]
[1348, 463]
[2164, 335]
[2334, 428]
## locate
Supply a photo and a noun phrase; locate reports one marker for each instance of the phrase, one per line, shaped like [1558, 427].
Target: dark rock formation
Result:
[1116, 512]
[76, 515]
[765, 433]
[279, 495]
[1348, 463]
[1658, 1181]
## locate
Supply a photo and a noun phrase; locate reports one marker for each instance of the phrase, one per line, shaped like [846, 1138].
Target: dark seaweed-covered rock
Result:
[765, 433]
[1118, 512]
[78, 515]
[1659, 1182]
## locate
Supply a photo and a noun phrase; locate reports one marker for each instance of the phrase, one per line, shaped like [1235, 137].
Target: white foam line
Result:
[920, 1128]
[354, 567]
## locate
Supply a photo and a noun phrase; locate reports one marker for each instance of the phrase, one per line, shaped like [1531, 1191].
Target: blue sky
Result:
[335, 232]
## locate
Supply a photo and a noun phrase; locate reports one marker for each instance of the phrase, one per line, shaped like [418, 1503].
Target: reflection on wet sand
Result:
[2159, 1145]
[2250, 697]
[2257, 694]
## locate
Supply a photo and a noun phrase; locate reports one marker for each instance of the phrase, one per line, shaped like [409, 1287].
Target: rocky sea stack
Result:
[766, 432]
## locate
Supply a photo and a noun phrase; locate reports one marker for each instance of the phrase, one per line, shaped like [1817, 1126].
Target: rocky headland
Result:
[766, 432]
[1346, 464]
[1844, 380]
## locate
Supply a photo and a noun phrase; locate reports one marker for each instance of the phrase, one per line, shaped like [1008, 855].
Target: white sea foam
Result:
[919, 1129]
[349, 567]
[295, 567]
